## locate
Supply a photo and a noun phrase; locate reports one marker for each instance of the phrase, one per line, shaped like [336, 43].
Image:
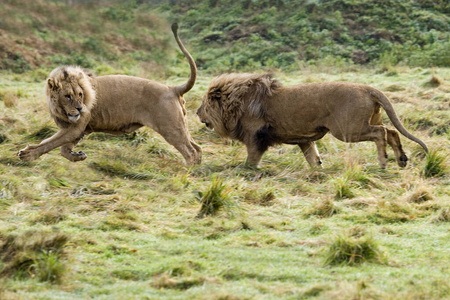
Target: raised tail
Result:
[389, 109]
[184, 88]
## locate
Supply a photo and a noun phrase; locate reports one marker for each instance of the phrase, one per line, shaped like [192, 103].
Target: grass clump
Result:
[34, 254]
[434, 165]
[354, 248]
[165, 281]
[343, 189]
[216, 197]
[323, 209]
[420, 195]
[443, 215]
[434, 82]
[9, 98]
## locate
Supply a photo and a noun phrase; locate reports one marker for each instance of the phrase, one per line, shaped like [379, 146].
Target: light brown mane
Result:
[64, 78]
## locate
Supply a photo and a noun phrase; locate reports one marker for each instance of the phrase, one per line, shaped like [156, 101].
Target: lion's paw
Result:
[78, 156]
[28, 154]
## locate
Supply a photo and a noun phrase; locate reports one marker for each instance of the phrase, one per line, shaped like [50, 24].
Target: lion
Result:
[81, 103]
[259, 111]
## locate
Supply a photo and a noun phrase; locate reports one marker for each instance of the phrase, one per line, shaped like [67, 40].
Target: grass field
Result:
[125, 223]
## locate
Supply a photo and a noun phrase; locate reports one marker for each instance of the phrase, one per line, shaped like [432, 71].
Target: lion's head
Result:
[230, 95]
[69, 94]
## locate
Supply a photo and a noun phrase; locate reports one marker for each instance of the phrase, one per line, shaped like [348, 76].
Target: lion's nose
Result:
[79, 109]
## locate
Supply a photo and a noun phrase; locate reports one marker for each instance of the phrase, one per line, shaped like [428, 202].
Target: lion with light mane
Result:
[81, 103]
[258, 111]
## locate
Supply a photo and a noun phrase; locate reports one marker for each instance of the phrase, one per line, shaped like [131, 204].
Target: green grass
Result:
[123, 224]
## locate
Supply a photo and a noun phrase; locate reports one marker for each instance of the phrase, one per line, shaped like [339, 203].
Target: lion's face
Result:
[70, 100]
[69, 93]
[210, 113]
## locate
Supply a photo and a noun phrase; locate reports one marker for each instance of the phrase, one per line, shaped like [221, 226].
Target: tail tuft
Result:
[175, 28]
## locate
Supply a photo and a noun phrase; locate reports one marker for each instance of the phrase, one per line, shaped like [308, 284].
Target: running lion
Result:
[81, 103]
[258, 111]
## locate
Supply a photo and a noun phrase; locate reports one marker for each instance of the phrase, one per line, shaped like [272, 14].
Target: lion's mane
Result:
[64, 79]
[231, 95]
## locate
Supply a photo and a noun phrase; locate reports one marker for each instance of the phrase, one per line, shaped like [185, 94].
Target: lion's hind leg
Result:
[374, 133]
[182, 141]
[393, 140]
[311, 153]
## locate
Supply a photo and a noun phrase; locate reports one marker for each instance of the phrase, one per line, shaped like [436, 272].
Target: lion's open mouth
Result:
[208, 125]
[73, 118]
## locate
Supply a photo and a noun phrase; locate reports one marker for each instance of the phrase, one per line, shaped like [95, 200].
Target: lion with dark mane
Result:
[81, 103]
[258, 111]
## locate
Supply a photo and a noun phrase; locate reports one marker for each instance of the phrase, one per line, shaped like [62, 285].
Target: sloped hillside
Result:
[87, 33]
[279, 33]
[225, 35]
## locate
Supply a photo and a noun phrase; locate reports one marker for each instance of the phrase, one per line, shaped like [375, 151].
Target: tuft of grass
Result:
[434, 165]
[317, 228]
[216, 197]
[443, 215]
[51, 216]
[165, 281]
[392, 212]
[353, 248]
[34, 254]
[48, 266]
[343, 188]
[323, 209]
[264, 198]
[434, 82]
[9, 99]
[421, 194]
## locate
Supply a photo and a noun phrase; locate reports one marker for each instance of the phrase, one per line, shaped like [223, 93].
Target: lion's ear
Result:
[215, 94]
[52, 84]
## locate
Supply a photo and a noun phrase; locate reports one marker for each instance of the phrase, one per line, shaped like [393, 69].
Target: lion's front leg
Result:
[62, 137]
[311, 153]
[66, 151]
[254, 155]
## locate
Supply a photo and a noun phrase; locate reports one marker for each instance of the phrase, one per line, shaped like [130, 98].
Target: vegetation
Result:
[124, 224]
[224, 35]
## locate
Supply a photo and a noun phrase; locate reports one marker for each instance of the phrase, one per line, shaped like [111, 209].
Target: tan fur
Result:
[260, 112]
[81, 103]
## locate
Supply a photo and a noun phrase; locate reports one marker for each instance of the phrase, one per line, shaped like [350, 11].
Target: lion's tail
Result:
[184, 88]
[386, 104]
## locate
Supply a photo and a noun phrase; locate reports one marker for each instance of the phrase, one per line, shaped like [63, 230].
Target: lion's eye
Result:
[80, 94]
[69, 98]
